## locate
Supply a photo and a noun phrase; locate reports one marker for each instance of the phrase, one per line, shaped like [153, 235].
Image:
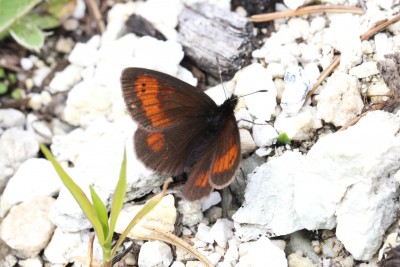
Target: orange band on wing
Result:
[155, 141]
[147, 89]
[227, 161]
[202, 179]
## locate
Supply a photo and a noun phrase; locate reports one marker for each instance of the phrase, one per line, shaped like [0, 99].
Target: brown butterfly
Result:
[182, 130]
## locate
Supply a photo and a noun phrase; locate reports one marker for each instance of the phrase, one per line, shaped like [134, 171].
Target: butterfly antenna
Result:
[220, 76]
[259, 91]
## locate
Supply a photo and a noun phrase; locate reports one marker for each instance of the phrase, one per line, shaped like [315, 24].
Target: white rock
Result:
[340, 100]
[263, 151]
[310, 53]
[11, 118]
[383, 45]
[214, 258]
[221, 92]
[163, 56]
[64, 45]
[344, 35]
[263, 253]
[39, 75]
[253, 78]
[299, 127]
[80, 9]
[312, 72]
[163, 217]
[276, 70]
[346, 174]
[64, 80]
[40, 128]
[222, 231]
[213, 199]
[364, 70]
[264, 134]
[297, 84]
[297, 259]
[26, 63]
[191, 212]
[85, 54]
[31, 262]
[391, 241]
[244, 119]
[16, 146]
[27, 228]
[65, 245]
[35, 177]
[203, 234]
[163, 15]
[232, 253]
[155, 253]
[269, 200]
[246, 140]
[177, 264]
[317, 24]
[378, 91]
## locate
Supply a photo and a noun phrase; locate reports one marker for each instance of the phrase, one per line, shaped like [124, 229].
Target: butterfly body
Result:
[182, 130]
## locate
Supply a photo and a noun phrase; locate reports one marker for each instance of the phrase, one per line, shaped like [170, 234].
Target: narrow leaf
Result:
[119, 196]
[42, 21]
[27, 35]
[101, 210]
[77, 193]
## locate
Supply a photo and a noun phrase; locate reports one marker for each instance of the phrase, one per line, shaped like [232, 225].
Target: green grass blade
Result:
[101, 211]
[118, 199]
[77, 193]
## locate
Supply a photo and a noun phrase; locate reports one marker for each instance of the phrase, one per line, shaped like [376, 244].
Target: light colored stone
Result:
[222, 231]
[64, 80]
[263, 253]
[364, 70]
[270, 189]
[155, 253]
[27, 228]
[85, 54]
[264, 134]
[162, 217]
[35, 177]
[244, 119]
[11, 118]
[191, 212]
[65, 246]
[203, 234]
[383, 45]
[31, 262]
[251, 79]
[213, 199]
[246, 140]
[298, 260]
[297, 84]
[299, 127]
[340, 100]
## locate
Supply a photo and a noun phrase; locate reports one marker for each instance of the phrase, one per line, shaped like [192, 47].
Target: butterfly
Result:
[182, 130]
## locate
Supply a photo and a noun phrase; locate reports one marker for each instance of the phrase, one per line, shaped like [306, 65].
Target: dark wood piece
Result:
[207, 32]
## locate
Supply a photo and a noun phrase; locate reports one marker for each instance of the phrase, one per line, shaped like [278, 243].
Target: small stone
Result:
[64, 45]
[21, 187]
[71, 24]
[340, 100]
[194, 264]
[251, 79]
[65, 79]
[247, 143]
[263, 253]
[155, 253]
[378, 91]
[364, 70]
[297, 260]
[244, 119]
[191, 212]
[232, 253]
[222, 232]
[27, 228]
[85, 54]
[177, 264]
[276, 70]
[214, 258]
[213, 199]
[263, 151]
[383, 45]
[297, 84]
[80, 9]
[26, 63]
[11, 118]
[31, 262]
[66, 245]
[203, 234]
[264, 134]
[39, 75]
[163, 217]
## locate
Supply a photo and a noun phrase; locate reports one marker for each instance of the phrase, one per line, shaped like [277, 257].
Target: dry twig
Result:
[306, 10]
[94, 9]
